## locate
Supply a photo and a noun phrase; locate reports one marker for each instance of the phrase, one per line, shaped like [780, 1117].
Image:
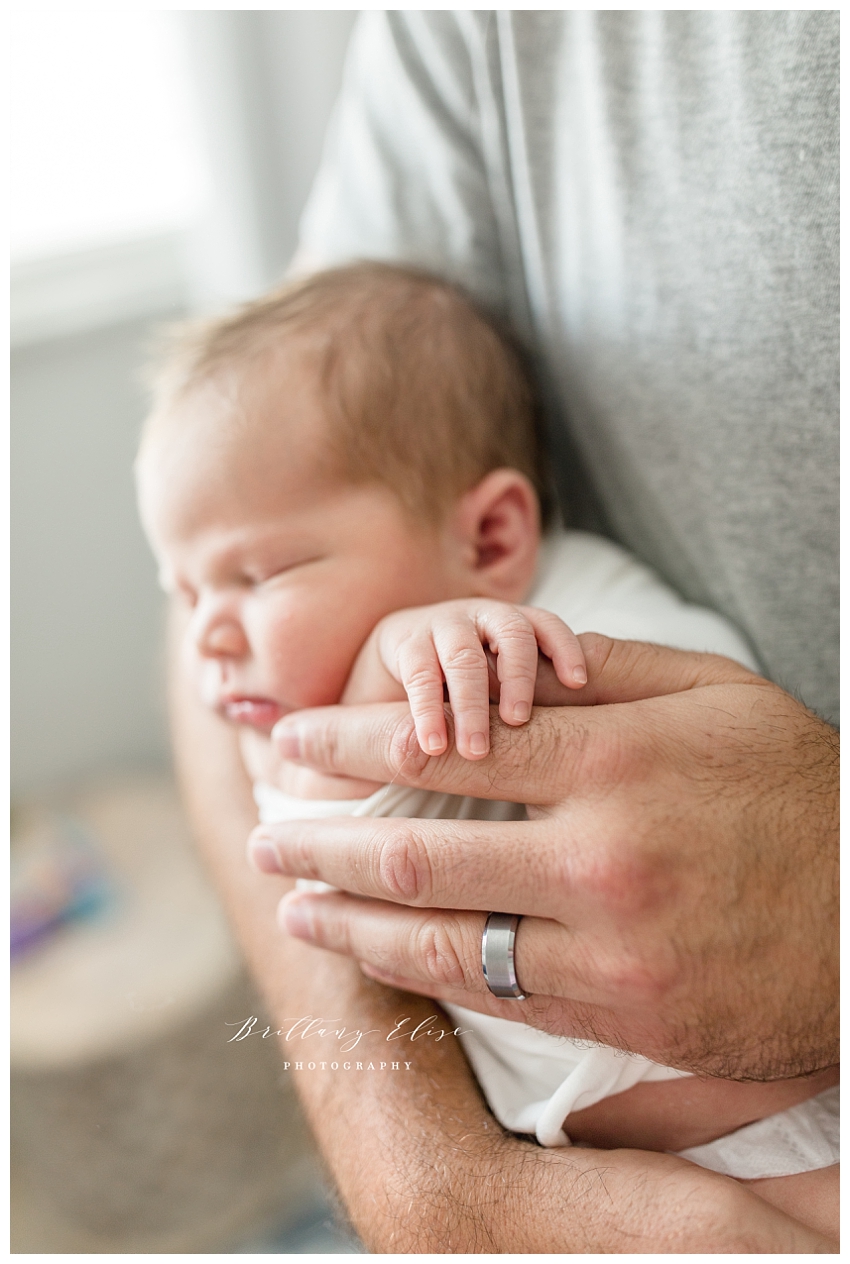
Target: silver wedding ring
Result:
[497, 955]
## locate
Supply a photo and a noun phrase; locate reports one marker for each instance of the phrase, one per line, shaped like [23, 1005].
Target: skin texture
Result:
[419, 1162]
[684, 834]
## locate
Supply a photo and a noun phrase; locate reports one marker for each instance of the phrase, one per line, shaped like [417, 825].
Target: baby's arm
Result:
[421, 654]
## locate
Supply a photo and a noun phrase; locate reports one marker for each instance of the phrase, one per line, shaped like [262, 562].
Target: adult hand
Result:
[677, 876]
[427, 1168]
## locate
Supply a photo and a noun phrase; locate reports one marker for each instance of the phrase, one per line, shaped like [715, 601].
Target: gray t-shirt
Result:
[651, 198]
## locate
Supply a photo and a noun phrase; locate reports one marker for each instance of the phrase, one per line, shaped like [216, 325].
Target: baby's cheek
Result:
[308, 674]
[260, 758]
[207, 680]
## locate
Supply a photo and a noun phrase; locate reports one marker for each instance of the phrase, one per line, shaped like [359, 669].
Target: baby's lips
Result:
[258, 713]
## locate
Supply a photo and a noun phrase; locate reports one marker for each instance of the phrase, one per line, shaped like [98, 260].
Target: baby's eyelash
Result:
[263, 577]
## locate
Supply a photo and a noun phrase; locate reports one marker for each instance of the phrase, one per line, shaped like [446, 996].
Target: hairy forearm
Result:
[420, 1163]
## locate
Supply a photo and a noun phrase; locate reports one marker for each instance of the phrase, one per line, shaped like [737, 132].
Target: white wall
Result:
[86, 613]
[266, 81]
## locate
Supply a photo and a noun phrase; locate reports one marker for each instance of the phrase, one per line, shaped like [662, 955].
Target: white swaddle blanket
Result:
[533, 1080]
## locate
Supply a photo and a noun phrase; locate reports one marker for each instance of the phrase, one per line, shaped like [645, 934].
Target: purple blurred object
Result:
[62, 880]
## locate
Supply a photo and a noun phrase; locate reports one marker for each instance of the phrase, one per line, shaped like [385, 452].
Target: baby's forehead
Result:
[271, 410]
[217, 457]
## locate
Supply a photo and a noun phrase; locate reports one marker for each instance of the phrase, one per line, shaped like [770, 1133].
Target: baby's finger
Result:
[420, 673]
[512, 639]
[559, 643]
[464, 666]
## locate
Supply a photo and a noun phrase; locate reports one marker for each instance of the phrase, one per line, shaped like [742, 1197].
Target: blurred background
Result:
[161, 160]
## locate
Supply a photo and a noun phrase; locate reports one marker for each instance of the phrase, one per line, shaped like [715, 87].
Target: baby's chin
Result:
[263, 763]
[304, 783]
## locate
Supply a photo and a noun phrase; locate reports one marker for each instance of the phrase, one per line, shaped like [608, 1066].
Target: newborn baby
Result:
[345, 483]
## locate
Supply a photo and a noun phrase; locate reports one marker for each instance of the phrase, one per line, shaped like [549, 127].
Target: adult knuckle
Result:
[600, 874]
[335, 935]
[643, 979]
[438, 954]
[614, 755]
[407, 760]
[323, 745]
[602, 757]
[404, 868]
[628, 877]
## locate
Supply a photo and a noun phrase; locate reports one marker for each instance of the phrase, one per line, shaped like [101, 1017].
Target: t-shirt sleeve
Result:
[404, 174]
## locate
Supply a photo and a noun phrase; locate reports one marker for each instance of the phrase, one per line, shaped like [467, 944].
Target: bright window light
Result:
[105, 146]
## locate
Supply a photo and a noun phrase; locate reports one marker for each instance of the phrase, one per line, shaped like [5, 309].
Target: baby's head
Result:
[359, 442]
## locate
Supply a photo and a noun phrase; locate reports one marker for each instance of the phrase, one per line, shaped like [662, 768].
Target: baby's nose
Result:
[224, 640]
[219, 635]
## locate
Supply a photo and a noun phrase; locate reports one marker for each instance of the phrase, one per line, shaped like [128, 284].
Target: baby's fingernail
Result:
[579, 675]
[522, 710]
[263, 855]
[478, 744]
[435, 742]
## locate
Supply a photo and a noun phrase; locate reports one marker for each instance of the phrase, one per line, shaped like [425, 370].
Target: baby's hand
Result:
[430, 646]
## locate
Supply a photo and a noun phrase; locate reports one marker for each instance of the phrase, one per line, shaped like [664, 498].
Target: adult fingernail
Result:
[579, 675]
[521, 712]
[478, 743]
[295, 919]
[263, 855]
[287, 740]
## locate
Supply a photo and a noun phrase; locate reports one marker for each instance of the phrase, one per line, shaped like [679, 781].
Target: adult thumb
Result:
[629, 671]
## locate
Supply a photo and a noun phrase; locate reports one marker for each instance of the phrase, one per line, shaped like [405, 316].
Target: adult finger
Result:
[378, 743]
[441, 949]
[538, 866]
[557, 1015]
[634, 671]
[629, 671]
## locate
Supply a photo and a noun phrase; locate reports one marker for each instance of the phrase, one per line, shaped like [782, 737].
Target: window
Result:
[104, 147]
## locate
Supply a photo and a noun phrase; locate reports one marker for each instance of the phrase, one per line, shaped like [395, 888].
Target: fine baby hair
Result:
[421, 390]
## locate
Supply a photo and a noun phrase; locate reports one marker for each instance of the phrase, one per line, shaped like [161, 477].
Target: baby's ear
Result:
[498, 522]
